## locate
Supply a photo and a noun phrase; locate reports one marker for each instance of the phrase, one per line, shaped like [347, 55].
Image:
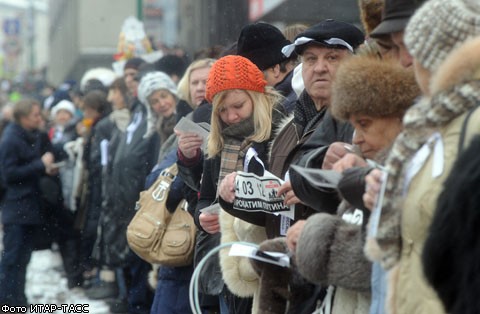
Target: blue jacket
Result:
[21, 167]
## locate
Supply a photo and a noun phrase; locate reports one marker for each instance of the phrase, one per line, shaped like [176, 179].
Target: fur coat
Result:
[238, 273]
[330, 252]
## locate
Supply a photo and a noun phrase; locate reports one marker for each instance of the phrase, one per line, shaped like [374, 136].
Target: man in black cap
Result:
[395, 16]
[322, 48]
[262, 44]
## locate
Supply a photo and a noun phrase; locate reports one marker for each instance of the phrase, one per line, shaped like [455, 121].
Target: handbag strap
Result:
[163, 183]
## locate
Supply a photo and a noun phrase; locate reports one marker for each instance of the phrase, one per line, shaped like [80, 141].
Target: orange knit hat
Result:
[234, 72]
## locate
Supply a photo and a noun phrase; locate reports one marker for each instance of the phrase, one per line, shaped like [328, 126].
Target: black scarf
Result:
[305, 112]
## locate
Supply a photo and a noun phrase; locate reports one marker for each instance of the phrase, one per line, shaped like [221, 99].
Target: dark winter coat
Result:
[352, 186]
[21, 168]
[311, 155]
[130, 166]
[92, 159]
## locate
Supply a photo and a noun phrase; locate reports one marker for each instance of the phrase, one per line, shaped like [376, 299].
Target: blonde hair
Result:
[183, 88]
[263, 105]
[291, 31]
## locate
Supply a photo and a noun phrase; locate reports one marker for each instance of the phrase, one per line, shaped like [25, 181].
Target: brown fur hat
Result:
[373, 87]
[370, 14]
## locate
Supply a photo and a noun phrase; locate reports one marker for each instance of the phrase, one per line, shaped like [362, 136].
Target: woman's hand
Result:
[349, 161]
[334, 153]
[189, 143]
[287, 191]
[294, 233]
[372, 187]
[209, 223]
[226, 189]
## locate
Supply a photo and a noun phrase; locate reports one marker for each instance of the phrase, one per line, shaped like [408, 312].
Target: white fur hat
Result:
[63, 105]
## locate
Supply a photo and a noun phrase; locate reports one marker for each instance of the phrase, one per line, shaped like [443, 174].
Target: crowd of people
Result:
[392, 109]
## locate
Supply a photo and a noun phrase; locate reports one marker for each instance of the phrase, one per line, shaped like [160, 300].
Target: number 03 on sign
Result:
[254, 193]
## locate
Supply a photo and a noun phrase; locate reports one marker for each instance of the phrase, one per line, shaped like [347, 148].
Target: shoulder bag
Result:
[155, 234]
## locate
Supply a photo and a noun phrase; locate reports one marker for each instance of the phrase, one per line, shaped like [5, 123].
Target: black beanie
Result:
[262, 44]
[133, 63]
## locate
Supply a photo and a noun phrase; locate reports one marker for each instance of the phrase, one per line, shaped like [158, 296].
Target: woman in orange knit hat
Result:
[244, 114]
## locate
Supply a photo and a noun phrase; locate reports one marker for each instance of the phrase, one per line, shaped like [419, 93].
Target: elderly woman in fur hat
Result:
[373, 95]
[447, 70]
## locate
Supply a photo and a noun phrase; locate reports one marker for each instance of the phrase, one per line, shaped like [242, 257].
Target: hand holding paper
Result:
[276, 258]
[185, 126]
[319, 178]
[189, 143]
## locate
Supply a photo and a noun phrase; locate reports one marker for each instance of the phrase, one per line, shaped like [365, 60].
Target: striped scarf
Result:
[236, 144]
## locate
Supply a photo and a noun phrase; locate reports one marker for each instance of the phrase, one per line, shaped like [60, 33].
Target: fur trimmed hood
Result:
[370, 86]
[462, 65]
[455, 89]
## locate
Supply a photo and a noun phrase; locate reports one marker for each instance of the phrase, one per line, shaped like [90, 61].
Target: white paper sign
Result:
[254, 193]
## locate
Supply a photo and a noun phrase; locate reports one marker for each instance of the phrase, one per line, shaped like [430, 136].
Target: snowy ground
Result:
[46, 285]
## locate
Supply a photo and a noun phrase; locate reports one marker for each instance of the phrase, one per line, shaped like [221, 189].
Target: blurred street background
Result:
[46, 42]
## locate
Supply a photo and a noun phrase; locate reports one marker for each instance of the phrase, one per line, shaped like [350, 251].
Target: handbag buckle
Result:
[160, 192]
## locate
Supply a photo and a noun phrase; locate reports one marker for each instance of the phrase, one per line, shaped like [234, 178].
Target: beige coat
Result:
[409, 293]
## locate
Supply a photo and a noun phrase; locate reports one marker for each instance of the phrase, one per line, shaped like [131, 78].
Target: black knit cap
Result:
[395, 16]
[262, 44]
[328, 29]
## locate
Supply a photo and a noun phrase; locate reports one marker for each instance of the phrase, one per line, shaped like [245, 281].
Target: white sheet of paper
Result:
[251, 252]
[377, 209]
[187, 125]
[213, 209]
[104, 152]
